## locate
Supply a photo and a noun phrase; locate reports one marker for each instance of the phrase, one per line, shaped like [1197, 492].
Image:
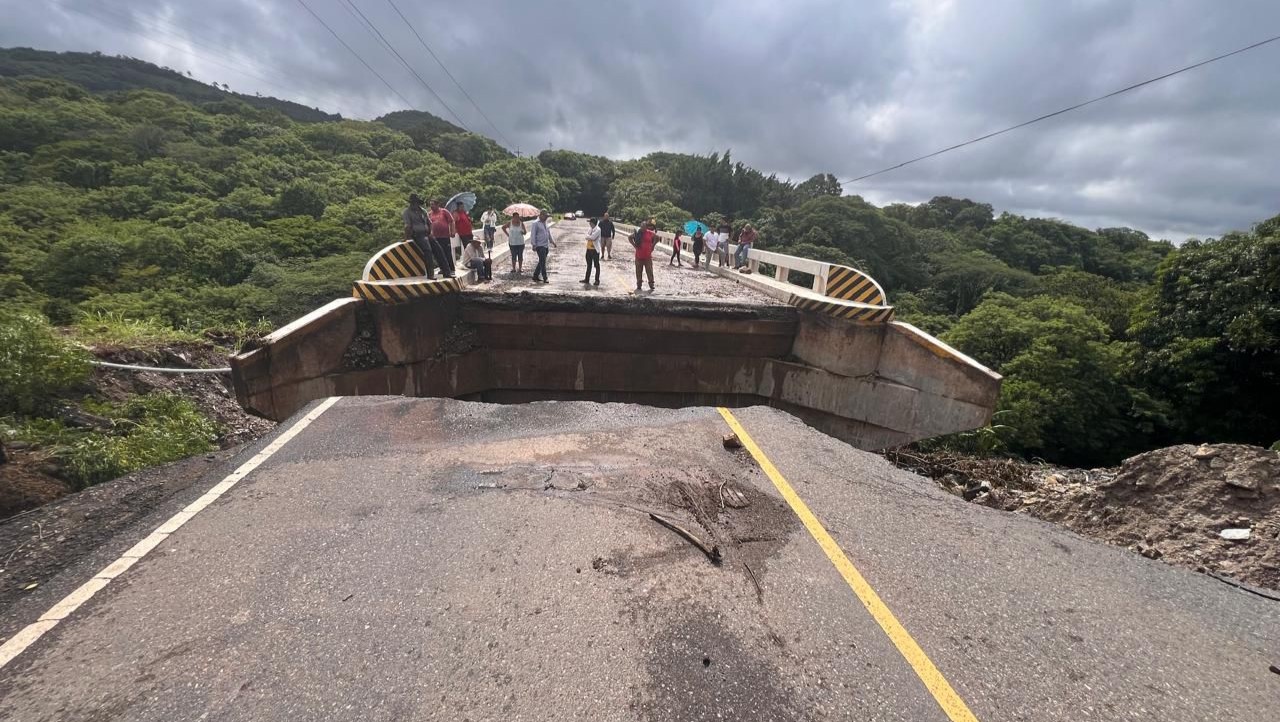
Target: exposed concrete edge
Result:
[941, 349]
[281, 336]
[630, 305]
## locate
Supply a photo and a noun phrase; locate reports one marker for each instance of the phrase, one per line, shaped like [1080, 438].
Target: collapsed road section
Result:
[871, 384]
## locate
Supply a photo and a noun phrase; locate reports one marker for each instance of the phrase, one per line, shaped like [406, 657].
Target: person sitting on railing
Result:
[473, 258]
[746, 240]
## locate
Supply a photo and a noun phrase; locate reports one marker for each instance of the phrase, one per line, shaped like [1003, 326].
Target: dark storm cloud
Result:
[794, 87]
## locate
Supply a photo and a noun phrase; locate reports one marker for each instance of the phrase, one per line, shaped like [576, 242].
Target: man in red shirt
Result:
[646, 239]
[462, 222]
[442, 226]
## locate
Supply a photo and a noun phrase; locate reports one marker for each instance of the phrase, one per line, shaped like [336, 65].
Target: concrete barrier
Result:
[873, 385]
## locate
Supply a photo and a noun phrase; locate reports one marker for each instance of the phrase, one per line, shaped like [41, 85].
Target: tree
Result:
[1064, 394]
[1210, 337]
[302, 198]
[822, 184]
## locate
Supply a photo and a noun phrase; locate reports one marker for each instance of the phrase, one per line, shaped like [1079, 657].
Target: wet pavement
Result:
[567, 267]
[445, 560]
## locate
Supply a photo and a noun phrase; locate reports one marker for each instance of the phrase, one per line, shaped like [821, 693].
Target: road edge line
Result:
[28, 635]
[943, 693]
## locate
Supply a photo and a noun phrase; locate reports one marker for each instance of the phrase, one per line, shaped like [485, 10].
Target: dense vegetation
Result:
[207, 210]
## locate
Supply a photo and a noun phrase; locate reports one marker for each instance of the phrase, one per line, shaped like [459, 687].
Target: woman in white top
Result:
[593, 252]
[515, 241]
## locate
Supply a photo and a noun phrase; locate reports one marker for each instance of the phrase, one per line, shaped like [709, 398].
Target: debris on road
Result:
[731, 441]
[1210, 507]
[712, 551]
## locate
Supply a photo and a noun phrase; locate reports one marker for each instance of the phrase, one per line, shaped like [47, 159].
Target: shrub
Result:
[35, 363]
[150, 430]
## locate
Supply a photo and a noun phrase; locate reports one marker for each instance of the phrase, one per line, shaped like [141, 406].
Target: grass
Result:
[146, 430]
[110, 329]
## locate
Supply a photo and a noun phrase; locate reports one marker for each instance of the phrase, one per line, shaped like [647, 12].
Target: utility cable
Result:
[338, 37]
[446, 72]
[1077, 106]
[131, 367]
[406, 64]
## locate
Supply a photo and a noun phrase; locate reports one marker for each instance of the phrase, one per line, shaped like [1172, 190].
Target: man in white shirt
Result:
[712, 242]
[473, 258]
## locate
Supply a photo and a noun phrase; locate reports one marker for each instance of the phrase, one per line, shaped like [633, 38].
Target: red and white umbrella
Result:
[523, 209]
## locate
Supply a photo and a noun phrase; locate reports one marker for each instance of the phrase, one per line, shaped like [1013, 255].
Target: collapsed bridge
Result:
[828, 353]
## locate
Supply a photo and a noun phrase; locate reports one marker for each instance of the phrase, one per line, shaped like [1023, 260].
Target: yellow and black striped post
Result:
[850, 284]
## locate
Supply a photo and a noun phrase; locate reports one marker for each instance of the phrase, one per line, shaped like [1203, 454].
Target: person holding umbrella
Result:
[442, 229]
[462, 222]
[540, 238]
[515, 231]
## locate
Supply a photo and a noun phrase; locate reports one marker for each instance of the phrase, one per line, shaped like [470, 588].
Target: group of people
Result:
[433, 228]
[714, 243]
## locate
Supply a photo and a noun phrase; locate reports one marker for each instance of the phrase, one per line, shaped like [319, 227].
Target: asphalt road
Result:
[567, 266]
[435, 559]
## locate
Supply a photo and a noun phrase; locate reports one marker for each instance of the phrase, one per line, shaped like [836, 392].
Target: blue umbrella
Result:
[692, 227]
[468, 201]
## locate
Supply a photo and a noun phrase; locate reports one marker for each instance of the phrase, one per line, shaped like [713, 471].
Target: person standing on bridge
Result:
[746, 241]
[593, 252]
[489, 220]
[540, 237]
[416, 227]
[645, 239]
[675, 250]
[607, 232]
[441, 234]
[699, 242]
[462, 222]
[712, 240]
[515, 232]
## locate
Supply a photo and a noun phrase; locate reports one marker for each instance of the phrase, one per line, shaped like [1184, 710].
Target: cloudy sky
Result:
[796, 87]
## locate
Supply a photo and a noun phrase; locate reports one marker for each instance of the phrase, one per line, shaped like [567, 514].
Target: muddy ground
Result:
[1213, 508]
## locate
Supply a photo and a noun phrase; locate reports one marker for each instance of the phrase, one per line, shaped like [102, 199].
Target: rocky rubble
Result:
[1213, 508]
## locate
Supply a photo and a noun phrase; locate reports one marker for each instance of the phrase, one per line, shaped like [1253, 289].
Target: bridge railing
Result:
[843, 284]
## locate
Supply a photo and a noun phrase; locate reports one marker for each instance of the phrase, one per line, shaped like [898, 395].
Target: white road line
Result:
[19, 642]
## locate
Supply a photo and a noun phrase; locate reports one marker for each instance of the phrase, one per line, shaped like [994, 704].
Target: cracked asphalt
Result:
[433, 559]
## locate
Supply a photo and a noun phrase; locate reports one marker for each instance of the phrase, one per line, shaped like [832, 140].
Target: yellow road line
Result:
[937, 685]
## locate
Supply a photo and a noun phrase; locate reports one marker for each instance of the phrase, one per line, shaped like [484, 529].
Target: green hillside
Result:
[104, 73]
[216, 212]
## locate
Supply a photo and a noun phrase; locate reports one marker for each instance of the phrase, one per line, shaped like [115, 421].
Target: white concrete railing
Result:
[781, 262]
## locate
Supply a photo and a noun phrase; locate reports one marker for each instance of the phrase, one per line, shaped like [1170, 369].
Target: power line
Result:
[351, 50]
[446, 72]
[1066, 110]
[406, 64]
